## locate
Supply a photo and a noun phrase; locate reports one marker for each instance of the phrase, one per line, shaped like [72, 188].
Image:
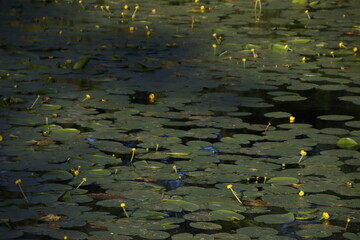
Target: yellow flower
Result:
[133, 149]
[244, 59]
[341, 45]
[131, 29]
[123, 207]
[153, 11]
[291, 119]
[18, 181]
[348, 220]
[229, 186]
[84, 179]
[151, 96]
[325, 216]
[301, 193]
[214, 35]
[303, 153]
[75, 172]
[126, 7]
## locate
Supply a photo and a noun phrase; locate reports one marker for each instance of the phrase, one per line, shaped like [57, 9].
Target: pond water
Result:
[179, 119]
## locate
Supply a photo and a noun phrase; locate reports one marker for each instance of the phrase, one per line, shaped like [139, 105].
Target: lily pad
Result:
[347, 143]
[283, 180]
[276, 218]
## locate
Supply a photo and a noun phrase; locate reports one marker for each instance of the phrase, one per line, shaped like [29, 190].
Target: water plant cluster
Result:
[179, 119]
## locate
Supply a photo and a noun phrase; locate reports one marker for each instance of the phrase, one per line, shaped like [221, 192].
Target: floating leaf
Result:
[347, 143]
[283, 180]
[205, 225]
[81, 62]
[276, 218]
[176, 205]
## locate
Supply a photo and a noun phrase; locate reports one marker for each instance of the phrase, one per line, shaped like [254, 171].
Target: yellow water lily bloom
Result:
[325, 215]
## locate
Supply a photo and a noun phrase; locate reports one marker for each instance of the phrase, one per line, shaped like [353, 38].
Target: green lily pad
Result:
[276, 218]
[283, 180]
[277, 115]
[205, 225]
[63, 133]
[347, 143]
[50, 107]
[57, 175]
[81, 62]
[318, 230]
[335, 117]
[257, 232]
[179, 205]
[226, 215]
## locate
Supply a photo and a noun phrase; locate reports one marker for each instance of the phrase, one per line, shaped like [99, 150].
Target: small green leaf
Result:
[81, 63]
[347, 143]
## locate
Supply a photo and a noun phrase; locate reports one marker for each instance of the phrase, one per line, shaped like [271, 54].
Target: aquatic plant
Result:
[214, 46]
[123, 205]
[291, 119]
[35, 101]
[230, 186]
[87, 96]
[348, 220]
[218, 39]
[134, 13]
[325, 216]
[18, 183]
[257, 4]
[302, 155]
[244, 62]
[151, 98]
[132, 155]
[82, 182]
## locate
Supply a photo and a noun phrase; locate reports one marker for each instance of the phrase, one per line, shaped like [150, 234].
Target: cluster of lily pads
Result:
[179, 120]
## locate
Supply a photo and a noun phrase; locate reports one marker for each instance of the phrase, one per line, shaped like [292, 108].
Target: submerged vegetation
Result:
[172, 119]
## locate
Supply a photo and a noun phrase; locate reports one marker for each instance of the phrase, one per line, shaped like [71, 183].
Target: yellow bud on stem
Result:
[234, 193]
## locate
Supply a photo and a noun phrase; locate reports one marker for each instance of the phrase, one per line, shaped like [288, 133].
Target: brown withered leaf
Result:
[147, 179]
[297, 185]
[42, 142]
[50, 218]
[256, 203]
[54, 226]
